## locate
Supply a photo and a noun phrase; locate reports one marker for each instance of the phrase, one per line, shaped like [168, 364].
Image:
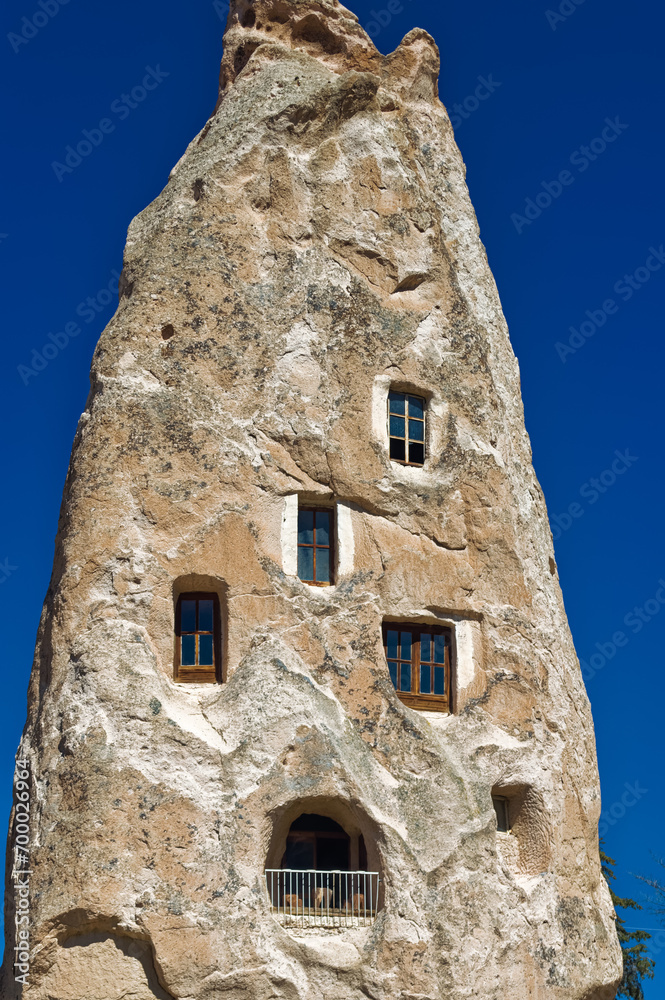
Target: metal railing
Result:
[323, 899]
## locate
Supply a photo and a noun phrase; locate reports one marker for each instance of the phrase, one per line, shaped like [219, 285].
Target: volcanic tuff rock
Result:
[314, 246]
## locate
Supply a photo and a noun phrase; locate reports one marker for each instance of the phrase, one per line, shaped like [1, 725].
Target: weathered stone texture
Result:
[314, 245]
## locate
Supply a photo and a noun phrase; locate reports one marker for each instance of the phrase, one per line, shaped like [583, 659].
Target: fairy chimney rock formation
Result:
[304, 616]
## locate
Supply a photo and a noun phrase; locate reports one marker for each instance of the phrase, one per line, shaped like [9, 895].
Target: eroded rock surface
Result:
[314, 246]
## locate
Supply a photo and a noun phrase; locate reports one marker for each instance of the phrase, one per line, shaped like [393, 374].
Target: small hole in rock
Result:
[167, 332]
[316, 31]
[243, 55]
[198, 188]
[249, 19]
[410, 283]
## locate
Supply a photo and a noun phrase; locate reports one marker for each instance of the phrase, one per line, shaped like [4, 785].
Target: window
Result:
[316, 842]
[197, 656]
[315, 546]
[318, 883]
[419, 664]
[406, 428]
[502, 810]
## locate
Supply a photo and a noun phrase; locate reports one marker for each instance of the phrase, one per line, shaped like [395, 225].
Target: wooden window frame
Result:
[197, 674]
[333, 554]
[414, 699]
[407, 438]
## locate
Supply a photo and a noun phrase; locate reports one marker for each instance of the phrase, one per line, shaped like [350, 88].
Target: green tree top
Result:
[637, 965]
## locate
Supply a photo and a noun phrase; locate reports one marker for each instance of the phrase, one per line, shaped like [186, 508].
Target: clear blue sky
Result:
[555, 82]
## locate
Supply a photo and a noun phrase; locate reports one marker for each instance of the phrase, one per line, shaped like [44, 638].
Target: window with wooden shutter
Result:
[198, 639]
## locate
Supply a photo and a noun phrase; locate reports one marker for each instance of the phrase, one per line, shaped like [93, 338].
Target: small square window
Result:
[406, 428]
[419, 663]
[315, 546]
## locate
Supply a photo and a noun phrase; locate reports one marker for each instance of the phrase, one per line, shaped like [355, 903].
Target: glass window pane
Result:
[405, 677]
[205, 616]
[426, 679]
[188, 652]
[188, 616]
[306, 564]
[417, 454]
[439, 649]
[397, 450]
[392, 667]
[416, 430]
[416, 407]
[397, 400]
[323, 565]
[322, 527]
[205, 651]
[305, 527]
[439, 680]
[392, 639]
[406, 640]
[397, 427]
[426, 648]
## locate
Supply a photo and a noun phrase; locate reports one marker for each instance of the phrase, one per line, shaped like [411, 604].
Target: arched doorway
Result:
[323, 879]
[319, 843]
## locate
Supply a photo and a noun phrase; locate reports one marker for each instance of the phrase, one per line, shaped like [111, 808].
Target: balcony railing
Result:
[323, 899]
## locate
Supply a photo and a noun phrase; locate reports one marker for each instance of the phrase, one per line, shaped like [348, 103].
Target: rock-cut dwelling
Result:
[305, 718]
